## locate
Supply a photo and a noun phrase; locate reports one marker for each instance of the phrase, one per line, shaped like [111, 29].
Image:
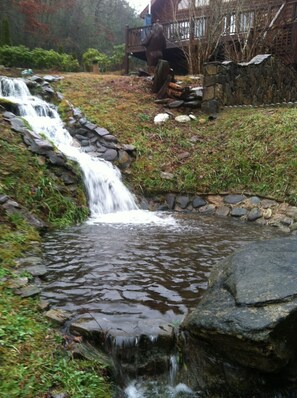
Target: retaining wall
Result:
[263, 80]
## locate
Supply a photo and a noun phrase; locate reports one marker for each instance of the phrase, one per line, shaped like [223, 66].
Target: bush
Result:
[92, 55]
[39, 58]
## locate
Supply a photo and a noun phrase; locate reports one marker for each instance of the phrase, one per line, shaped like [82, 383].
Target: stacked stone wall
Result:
[263, 80]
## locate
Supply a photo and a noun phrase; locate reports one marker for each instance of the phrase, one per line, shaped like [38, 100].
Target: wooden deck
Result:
[179, 33]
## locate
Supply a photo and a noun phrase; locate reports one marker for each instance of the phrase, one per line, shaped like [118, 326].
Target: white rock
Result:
[166, 176]
[183, 119]
[161, 118]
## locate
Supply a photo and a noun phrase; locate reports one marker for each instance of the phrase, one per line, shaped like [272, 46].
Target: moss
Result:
[8, 105]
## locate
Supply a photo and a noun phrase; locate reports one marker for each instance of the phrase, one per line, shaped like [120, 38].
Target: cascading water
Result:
[106, 192]
[109, 200]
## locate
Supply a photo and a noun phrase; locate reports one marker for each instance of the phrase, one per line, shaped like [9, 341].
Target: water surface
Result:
[124, 274]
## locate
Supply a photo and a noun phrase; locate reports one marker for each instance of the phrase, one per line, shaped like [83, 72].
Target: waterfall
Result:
[106, 192]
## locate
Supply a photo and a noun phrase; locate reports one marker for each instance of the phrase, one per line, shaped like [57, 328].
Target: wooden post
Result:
[126, 61]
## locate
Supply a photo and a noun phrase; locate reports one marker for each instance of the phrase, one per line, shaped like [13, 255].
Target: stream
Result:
[127, 276]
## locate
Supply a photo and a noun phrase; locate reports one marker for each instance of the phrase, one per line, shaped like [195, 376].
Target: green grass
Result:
[33, 359]
[243, 151]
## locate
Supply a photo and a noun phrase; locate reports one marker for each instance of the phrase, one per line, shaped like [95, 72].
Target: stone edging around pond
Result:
[250, 208]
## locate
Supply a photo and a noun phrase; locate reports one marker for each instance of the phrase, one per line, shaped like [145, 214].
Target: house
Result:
[208, 30]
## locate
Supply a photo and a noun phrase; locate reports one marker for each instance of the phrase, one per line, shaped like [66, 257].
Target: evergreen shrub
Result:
[23, 57]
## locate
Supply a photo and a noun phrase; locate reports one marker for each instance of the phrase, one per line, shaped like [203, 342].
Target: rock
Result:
[183, 155]
[57, 158]
[292, 212]
[216, 200]
[210, 107]
[193, 104]
[207, 209]
[170, 200]
[3, 199]
[197, 91]
[247, 314]
[13, 207]
[266, 203]
[151, 340]
[222, 211]
[89, 148]
[50, 78]
[234, 199]
[68, 178]
[58, 316]
[267, 213]
[249, 203]
[17, 282]
[166, 176]
[100, 148]
[124, 160]
[17, 125]
[36, 78]
[8, 115]
[110, 155]
[102, 132]
[129, 148]
[161, 118]
[175, 104]
[28, 291]
[198, 202]
[49, 90]
[37, 270]
[293, 227]
[182, 201]
[254, 214]
[182, 119]
[90, 126]
[162, 101]
[238, 212]
[110, 138]
[41, 147]
[43, 305]
[11, 204]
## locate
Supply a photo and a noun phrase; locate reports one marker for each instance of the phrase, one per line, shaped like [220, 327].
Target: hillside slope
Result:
[245, 150]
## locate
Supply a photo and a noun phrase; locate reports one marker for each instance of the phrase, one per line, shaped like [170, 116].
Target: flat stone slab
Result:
[264, 273]
[37, 270]
[28, 291]
[234, 199]
[249, 312]
[58, 316]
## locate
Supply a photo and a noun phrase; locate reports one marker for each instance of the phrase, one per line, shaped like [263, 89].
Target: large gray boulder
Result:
[249, 313]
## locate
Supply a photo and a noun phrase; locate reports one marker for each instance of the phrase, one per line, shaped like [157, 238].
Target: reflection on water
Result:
[135, 272]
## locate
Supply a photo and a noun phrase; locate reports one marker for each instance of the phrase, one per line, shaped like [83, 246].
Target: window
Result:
[246, 21]
[232, 28]
[201, 3]
[183, 5]
[200, 27]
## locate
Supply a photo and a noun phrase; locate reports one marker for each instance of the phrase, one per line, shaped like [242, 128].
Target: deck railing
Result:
[175, 31]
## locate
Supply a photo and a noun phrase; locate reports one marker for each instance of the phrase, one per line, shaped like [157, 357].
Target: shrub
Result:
[92, 55]
[22, 57]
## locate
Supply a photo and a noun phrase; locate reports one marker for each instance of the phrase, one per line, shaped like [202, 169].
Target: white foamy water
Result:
[137, 389]
[109, 200]
[134, 217]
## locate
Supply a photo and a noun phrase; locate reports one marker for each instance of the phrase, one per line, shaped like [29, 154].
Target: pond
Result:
[133, 279]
